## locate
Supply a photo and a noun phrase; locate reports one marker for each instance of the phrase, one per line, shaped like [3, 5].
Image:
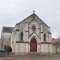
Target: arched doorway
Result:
[33, 45]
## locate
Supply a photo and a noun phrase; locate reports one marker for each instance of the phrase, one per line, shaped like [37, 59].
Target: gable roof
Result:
[7, 29]
[33, 18]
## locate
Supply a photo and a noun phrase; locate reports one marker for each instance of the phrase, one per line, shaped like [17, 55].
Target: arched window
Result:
[21, 36]
[44, 37]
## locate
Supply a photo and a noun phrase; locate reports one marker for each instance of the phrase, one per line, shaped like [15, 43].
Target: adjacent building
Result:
[56, 45]
[6, 36]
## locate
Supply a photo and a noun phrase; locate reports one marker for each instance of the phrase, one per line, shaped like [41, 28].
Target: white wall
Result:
[6, 37]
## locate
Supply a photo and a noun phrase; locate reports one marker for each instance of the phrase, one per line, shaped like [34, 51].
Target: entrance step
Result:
[34, 53]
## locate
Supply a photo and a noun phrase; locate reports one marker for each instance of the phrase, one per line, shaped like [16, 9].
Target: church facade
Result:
[31, 35]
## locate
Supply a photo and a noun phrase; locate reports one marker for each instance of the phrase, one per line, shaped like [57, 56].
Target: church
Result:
[30, 36]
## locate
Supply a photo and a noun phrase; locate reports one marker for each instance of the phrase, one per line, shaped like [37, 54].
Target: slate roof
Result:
[34, 18]
[7, 29]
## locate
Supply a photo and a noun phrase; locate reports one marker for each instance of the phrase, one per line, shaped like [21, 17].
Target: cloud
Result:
[13, 11]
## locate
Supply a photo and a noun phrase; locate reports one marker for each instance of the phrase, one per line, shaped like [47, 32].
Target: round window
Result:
[33, 27]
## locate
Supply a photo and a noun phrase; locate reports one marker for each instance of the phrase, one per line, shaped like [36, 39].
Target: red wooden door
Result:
[33, 45]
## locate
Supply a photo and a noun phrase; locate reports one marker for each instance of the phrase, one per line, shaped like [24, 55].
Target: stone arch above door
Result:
[36, 37]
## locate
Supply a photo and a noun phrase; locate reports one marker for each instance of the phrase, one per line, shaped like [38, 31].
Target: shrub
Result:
[8, 48]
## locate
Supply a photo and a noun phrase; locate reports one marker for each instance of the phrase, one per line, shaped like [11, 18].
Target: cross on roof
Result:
[33, 11]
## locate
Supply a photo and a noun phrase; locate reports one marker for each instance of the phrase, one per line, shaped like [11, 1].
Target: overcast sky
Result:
[14, 11]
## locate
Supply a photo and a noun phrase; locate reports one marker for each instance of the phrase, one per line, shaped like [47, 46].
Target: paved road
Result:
[55, 57]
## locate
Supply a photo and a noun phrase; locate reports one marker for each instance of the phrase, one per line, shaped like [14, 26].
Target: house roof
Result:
[55, 40]
[33, 17]
[7, 29]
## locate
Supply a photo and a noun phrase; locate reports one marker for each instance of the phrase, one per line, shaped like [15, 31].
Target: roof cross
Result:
[33, 11]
